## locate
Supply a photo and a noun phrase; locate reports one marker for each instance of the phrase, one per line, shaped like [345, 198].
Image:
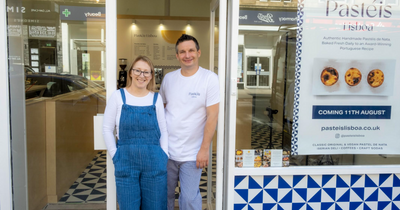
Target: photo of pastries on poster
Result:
[267, 158]
[285, 158]
[258, 158]
[353, 77]
[239, 158]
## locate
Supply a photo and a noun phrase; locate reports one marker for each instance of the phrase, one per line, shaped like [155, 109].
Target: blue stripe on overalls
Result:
[140, 163]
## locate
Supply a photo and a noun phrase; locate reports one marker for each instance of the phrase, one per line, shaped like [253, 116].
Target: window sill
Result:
[318, 170]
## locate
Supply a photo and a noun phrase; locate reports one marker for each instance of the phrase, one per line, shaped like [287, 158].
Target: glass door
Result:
[252, 72]
[258, 72]
[263, 76]
[52, 103]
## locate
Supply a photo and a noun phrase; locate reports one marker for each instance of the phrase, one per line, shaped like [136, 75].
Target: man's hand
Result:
[202, 158]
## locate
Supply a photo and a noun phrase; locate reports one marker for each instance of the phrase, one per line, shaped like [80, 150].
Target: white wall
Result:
[199, 29]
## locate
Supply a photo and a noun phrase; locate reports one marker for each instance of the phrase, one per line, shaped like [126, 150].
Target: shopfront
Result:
[308, 107]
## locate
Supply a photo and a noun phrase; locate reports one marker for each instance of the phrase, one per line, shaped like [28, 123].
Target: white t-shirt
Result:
[112, 115]
[187, 99]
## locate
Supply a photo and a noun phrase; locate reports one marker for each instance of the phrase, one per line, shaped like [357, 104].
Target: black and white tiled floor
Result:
[90, 186]
[260, 136]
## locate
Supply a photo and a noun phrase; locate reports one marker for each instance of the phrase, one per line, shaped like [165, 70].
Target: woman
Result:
[141, 154]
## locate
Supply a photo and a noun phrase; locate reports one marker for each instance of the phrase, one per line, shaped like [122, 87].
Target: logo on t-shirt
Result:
[194, 94]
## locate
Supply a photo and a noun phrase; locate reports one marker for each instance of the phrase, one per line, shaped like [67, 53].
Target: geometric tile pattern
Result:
[91, 187]
[318, 192]
[260, 136]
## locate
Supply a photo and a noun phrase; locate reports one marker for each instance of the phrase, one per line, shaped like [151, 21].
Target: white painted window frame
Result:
[5, 135]
[111, 86]
[231, 172]
[222, 9]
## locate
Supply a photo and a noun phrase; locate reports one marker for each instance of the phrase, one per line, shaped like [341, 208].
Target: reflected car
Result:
[53, 84]
[28, 69]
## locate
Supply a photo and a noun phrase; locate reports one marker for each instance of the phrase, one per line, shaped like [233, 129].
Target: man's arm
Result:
[209, 130]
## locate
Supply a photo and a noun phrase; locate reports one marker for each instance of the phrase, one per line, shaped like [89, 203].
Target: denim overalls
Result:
[140, 163]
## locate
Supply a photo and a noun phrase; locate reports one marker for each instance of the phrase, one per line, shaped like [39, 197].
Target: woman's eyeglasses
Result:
[138, 72]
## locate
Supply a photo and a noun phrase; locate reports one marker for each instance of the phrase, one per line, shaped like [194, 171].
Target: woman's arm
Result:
[162, 123]
[110, 115]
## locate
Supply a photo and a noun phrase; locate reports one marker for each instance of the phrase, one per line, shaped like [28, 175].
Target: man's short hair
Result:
[186, 37]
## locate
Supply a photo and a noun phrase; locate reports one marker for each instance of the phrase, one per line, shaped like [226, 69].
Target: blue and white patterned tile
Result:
[240, 207]
[302, 192]
[371, 194]
[288, 180]
[385, 205]
[357, 194]
[351, 192]
[326, 196]
[241, 196]
[271, 182]
[371, 205]
[270, 195]
[343, 205]
[356, 205]
[328, 181]
[314, 206]
[299, 206]
[256, 182]
[385, 194]
[299, 181]
[331, 192]
[371, 180]
[256, 206]
[343, 181]
[271, 206]
[243, 183]
[282, 183]
[311, 192]
[386, 180]
[343, 195]
[395, 205]
[314, 181]
[299, 195]
[284, 205]
[357, 181]
[283, 194]
[396, 180]
[255, 195]
[396, 193]
[328, 205]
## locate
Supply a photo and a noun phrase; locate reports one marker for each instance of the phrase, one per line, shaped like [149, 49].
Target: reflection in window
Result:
[265, 110]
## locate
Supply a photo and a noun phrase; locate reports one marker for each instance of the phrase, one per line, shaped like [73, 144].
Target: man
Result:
[191, 99]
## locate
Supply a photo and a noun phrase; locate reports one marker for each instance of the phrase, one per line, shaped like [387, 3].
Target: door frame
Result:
[111, 86]
[222, 6]
[230, 101]
[6, 201]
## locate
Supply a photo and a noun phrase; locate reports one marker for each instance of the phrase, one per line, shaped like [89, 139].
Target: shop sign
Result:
[276, 18]
[14, 30]
[42, 31]
[82, 13]
[347, 93]
[33, 12]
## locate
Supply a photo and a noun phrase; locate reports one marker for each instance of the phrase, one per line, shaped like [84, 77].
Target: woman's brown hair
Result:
[152, 84]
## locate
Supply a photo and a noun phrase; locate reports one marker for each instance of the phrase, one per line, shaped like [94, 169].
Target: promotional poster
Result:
[347, 78]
